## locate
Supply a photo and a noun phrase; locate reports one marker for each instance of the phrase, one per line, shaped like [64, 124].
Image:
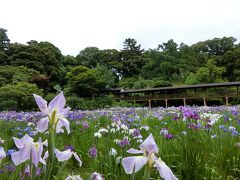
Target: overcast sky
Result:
[73, 25]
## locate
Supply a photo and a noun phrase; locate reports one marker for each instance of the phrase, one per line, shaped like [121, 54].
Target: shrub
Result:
[73, 102]
[18, 97]
[98, 103]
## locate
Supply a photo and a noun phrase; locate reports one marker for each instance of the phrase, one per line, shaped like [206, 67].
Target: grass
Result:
[192, 155]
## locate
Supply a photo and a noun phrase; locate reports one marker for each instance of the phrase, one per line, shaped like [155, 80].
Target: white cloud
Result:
[72, 25]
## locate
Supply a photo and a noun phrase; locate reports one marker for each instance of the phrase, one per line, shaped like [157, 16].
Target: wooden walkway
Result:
[224, 90]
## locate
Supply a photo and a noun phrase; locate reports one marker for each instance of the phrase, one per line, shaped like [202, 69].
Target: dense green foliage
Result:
[94, 70]
[97, 103]
[18, 96]
[84, 81]
[14, 74]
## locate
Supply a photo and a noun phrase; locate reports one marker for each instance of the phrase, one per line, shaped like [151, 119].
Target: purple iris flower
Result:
[195, 115]
[11, 168]
[148, 148]
[19, 118]
[26, 129]
[208, 126]
[235, 133]
[27, 173]
[124, 142]
[85, 125]
[38, 172]
[226, 118]
[222, 126]
[56, 108]
[28, 150]
[32, 133]
[92, 152]
[190, 114]
[168, 136]
[187, 113]
[136, 133]
[20, 134]
[116, 119]
[2, 153]
[225, 129]
[10, 151]
[96, 176]
[67, 154]
[164, 171]
[64, 155]
[234, 112]
[175, 117]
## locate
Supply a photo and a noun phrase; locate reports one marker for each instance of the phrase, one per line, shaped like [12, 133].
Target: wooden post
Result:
[204, 102]
[149, 104]
[184, 102]
[226, 98]
[166, 104]
[226, 91]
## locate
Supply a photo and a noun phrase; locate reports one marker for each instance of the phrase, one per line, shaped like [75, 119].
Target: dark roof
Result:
[182, 87]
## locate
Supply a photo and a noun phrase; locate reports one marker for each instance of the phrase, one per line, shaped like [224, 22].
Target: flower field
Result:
[121, 143]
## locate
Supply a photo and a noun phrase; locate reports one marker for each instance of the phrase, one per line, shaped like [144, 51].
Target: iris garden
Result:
[120, 143]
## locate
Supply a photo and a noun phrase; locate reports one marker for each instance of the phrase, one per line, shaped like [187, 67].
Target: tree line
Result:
[40, 67]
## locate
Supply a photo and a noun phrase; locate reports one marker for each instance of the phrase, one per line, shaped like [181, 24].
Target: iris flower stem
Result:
[51, 146]
[31, 168]
[147, 171]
